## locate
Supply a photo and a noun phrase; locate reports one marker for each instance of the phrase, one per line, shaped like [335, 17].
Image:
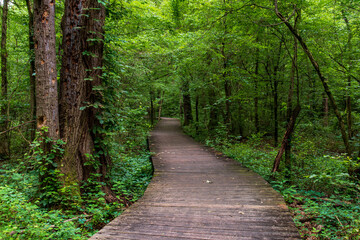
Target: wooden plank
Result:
[196, 194]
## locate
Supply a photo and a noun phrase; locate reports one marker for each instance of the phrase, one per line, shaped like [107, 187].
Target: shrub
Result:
[20, 219]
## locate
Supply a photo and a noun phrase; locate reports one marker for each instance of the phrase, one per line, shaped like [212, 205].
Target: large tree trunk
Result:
[45, 65]
[80, 103]
[321, 77]
[47, 111]
[4, 118]
[31, 71]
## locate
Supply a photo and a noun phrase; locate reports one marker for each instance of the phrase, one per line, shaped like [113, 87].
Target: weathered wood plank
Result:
[197, 195]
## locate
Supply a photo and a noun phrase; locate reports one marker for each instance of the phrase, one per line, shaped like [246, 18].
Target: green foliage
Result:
[130, 175]
[256, 159]
[21, 192]
[335, 217]
[20, 219]
[45, 165]
[151, 48]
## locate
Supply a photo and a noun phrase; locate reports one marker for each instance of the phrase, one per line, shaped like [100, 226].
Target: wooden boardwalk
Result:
[197, 195]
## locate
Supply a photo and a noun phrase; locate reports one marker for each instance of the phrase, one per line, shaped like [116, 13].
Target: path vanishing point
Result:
[195, 194]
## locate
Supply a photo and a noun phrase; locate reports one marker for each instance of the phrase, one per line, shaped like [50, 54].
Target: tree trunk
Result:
[321, 77]
[256, 98]
[160, 104]
[276, 120]
[181, 106]
[275, 95]
[80, 103]
[32, 71]
[187, 104]
[289, 130]
[289, 100]
[4, 118]
[47, 112]
[326, 110]
[45, 65]
[152, 110]
[227, 87]
[197, 113]
[213, 112]
[349, 70]
[349, 110]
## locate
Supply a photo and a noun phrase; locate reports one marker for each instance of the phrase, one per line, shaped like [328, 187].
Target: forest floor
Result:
[196, 194]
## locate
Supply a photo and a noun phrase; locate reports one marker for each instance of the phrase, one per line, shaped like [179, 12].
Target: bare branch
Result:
[10, 129]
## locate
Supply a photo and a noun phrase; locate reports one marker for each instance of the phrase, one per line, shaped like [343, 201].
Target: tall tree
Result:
[45, 65]
[32, 69]
[4, 119]
[225, 59]
[349, 51]
[289, 104]
[80, 102]
[321, 77]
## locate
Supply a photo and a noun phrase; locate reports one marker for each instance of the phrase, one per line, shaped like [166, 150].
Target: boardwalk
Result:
[196, 195]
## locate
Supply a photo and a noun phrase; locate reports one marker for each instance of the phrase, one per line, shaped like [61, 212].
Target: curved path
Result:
[196, 195]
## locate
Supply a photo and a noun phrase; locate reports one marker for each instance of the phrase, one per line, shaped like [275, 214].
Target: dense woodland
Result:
[272, 84]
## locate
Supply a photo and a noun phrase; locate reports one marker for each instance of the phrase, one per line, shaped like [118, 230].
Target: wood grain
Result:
[196, 194]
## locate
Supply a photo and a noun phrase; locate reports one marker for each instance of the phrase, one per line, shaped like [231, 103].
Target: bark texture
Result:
[79, 100]
[45, 65]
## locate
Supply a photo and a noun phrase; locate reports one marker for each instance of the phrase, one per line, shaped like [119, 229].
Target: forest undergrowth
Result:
[28, 213]
[321, 195]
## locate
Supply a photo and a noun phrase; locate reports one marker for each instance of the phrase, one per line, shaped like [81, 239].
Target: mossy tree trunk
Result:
[80, 101]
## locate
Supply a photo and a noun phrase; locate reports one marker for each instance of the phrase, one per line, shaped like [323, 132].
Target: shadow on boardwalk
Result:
[196, 195]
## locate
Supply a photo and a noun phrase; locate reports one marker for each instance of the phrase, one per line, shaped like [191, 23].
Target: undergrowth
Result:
[30, 210]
